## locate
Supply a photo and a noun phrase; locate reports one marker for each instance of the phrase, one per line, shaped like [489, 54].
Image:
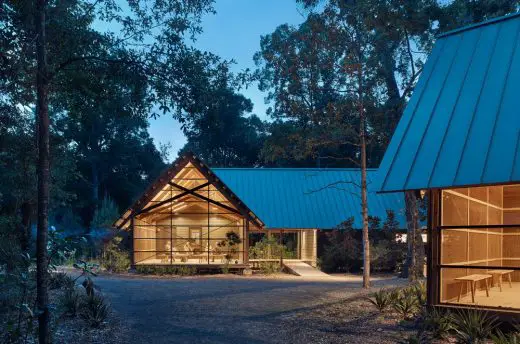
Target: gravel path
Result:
[234, 309]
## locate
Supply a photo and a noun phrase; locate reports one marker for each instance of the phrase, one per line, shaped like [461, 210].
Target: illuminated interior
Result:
[480, 246]
[189, 221]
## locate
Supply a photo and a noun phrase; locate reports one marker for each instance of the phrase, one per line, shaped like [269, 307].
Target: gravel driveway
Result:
[227, 309]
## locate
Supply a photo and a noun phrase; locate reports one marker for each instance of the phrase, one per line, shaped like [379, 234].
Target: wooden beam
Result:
[233, 210]
[171, 199]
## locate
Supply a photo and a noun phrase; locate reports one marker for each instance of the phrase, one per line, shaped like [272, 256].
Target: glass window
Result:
[480, 259]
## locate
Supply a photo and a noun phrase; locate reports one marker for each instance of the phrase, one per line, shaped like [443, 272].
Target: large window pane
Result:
[480, 258]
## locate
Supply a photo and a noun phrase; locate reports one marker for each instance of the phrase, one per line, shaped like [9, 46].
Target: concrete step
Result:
[304, 270]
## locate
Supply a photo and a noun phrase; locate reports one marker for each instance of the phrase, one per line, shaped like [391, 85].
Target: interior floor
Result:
[509, 297]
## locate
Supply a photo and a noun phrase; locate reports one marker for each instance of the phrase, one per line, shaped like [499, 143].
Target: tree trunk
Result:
[42, 88]
[364, 203]
[413, 268]
[25, 227]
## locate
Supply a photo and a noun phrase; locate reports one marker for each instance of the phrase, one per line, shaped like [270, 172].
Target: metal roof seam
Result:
[476, 106]
[517, 148]
[411, 116]
[499, 108]
[455, 106]
[478, 25]
[407, 179]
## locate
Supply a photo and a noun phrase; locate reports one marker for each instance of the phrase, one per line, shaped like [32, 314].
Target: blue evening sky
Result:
[233, 33]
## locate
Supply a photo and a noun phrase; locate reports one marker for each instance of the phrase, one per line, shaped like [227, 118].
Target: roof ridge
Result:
[293, 168]
[477, 25]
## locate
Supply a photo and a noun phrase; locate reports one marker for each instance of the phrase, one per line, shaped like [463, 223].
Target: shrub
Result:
[405, 304]
[114, 259]
[381, 299]
[70, 302]
[419, 290]
[437, 321]
[60, 280]
[505, 338]
[473, 326]
[95, 310]
[268, 268]
[186, 270]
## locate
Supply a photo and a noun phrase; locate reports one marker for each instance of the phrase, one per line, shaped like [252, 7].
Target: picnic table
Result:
[472, 280]
[499, 274]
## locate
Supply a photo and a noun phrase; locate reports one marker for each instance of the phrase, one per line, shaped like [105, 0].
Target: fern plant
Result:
[381, 300]
[472, 326]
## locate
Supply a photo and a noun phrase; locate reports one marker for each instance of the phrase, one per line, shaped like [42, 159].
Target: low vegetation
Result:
[166, 270]
[435, 325]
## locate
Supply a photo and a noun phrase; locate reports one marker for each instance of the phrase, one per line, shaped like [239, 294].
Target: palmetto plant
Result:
[406, 304]
[512, 337]
[419, 289]
[437, 321]
[472, 326]
[505, 338]
[381, 300]
[95, 310]
[70, 302]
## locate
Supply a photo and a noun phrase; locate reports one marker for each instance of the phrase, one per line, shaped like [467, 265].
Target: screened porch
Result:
[189, 222]
[479, 246]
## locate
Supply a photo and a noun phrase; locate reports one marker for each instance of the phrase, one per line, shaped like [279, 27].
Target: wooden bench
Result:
[499, 274]
[472, 280]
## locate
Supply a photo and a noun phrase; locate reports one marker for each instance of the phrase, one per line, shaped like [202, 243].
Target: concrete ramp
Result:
[304, 270]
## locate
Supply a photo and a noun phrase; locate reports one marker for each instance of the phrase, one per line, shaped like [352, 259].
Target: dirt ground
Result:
[238, 309]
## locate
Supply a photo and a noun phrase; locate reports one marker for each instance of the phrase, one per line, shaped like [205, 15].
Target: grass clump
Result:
[95, 310]
[381, 299]
[473, 326]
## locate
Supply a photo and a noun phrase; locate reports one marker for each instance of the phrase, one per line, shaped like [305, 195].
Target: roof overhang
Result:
[165, 178]
[461, 127]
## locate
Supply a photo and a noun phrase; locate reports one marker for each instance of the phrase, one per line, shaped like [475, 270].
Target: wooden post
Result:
[132, 244]
[246, 243]
[433, 248]
[269, 246]
[281, 250]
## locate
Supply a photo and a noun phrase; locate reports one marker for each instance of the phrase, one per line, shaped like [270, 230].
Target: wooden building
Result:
[195, 215]
[458, 142]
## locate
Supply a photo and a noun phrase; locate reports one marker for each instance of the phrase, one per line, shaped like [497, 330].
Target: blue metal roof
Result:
[308, 198]
[462, 124]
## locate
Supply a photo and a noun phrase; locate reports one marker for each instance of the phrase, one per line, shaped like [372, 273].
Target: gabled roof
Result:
[169, 175]
[308, 197]
[462, 124]
[295, 198]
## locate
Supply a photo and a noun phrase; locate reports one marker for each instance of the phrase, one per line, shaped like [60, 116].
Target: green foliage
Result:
[95, 310]
[342, 247]
[180, 270]
[70, 302]
[473, 326]
[221, 134]
[406, 303]
[381, 300]
[269, 248]
[419, 290]
[268, 268]
[105, 214]
[114, 259]
[60, 280]
[230, 245]
[437, 321]
[341, 250]
[505, 338]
